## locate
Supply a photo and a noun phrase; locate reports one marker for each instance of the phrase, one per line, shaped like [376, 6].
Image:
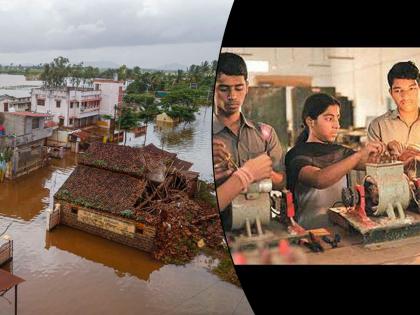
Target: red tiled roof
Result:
[29, 114]
[50, 123]
[128, 160]
[83, 135]
[100, 189]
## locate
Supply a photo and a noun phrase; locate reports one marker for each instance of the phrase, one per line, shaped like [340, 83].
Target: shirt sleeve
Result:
[374, 131]
[275, 151]
[347, 152]
[293, 167]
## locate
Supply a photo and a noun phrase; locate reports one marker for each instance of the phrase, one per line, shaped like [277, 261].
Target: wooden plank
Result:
[381, 228]
[408, 251]
[283, 80]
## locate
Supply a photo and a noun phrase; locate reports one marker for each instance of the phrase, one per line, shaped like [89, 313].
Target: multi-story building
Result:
[25, 135]
[112, 92]
[14, 104]
[79, 107]
[70, 107]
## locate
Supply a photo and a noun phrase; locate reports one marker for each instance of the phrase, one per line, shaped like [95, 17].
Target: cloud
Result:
[147, 56]
[39, 25]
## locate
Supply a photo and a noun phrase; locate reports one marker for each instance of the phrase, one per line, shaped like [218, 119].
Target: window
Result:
[77, 103]
[74, 210]
[57, 104]
[40, 102]
[71, 104]
[71, 121]
[35, 123]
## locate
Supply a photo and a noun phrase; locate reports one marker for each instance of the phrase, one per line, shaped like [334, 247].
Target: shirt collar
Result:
[218, 126]
[394, 114]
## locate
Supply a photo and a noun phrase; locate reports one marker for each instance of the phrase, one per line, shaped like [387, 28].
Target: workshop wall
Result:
[357, 73]
[364, 78]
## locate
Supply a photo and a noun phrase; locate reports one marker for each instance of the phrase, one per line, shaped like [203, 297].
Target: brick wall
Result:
[143, 241]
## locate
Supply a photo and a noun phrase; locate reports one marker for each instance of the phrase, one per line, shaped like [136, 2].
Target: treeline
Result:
[55, 74]
[177, 93]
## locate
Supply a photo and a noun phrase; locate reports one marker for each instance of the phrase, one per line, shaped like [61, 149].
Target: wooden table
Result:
[351, 250]
[8, 281]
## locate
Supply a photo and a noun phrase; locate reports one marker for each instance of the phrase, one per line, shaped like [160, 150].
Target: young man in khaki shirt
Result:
[400, 128]
[243, 151]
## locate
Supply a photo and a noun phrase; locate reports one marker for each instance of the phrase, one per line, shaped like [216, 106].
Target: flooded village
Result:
[105, 195]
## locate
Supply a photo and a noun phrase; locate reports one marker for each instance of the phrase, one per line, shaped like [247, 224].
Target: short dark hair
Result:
[231, 64]
[403, 70]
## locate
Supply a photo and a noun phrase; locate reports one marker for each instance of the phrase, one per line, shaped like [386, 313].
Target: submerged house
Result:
[25, 133]
[110, 193]
[164, 117]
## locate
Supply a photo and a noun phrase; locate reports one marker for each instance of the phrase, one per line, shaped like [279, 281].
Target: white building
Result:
[79, 107]
[14, 104]
[112, 93]
[70, 107]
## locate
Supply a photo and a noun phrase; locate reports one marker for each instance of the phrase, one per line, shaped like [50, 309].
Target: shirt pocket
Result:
[251, 155]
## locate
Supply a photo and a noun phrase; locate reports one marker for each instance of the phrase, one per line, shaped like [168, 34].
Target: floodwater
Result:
[16, 85]
[191, 141]
[72, 272]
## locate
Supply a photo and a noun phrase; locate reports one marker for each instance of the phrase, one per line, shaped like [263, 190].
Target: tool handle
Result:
[290, 207]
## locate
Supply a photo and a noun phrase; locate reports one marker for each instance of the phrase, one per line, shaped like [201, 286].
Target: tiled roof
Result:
[128, 160]
[101, 189]
[29, 114]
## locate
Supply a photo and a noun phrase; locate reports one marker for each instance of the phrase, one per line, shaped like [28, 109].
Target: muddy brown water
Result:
[72, 272]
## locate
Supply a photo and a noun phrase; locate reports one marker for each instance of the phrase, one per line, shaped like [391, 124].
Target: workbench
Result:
[351, 250]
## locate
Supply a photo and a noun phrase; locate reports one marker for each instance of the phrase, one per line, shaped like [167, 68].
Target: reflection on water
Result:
[191, 141]
[123, 259]
[69, 271]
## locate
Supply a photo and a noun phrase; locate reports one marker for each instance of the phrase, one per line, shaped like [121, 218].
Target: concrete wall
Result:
[143, 241]
[65, 97]
[111, 95]
[14, 124]
[358, 73]
[364, 78]
[289, 62]
[27, 158]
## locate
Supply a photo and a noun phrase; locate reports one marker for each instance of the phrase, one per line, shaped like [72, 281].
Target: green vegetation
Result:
[127, 120]
[6, 154]
[99, 163]
[129, 214]
[206, 193]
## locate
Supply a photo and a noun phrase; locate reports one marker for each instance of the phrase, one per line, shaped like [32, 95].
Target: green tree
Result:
[144, 100]
[136, 87]
[89, 73]
[122, 73]
[55, 73]
[127, 121]
[148, 115]
[76, 74]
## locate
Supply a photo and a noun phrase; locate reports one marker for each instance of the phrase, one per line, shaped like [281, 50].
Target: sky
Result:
[144, 33]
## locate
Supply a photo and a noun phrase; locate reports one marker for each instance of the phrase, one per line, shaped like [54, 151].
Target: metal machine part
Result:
[252, 207]
[392, 188]
[246, 212]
